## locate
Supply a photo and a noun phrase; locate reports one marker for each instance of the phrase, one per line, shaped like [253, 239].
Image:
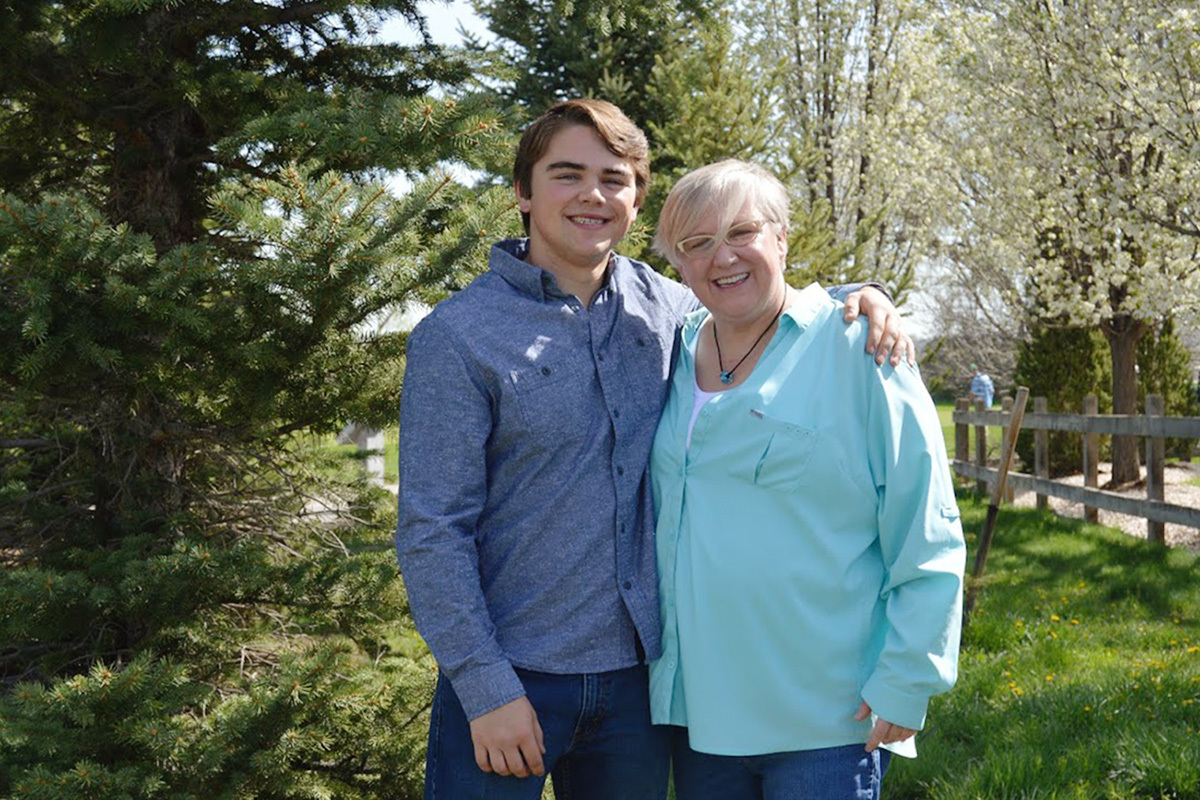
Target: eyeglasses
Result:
[741, 234]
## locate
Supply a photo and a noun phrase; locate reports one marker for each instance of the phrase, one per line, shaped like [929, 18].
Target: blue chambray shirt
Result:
[809, 545]
[526, 525]
[525, 533]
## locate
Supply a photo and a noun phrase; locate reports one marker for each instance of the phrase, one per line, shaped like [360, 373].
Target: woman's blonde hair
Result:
[727, 187]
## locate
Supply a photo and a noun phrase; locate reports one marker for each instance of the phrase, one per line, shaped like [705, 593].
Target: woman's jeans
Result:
[600, 744]
[832, 773]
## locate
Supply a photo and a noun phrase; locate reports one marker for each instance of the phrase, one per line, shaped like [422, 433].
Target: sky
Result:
[444, 20]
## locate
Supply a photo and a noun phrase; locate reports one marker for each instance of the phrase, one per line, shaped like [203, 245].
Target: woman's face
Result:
[741, 284]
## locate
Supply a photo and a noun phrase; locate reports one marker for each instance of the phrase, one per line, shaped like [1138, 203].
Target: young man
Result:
[525, 533]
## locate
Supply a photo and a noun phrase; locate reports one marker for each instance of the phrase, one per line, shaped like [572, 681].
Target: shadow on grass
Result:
[1079, 675]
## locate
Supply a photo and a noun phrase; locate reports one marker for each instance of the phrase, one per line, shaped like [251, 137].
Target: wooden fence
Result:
[1152, 426]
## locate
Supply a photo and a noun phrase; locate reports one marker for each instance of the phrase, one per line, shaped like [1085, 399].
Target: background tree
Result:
[196, 602]
[1071, 192]
[851, 102]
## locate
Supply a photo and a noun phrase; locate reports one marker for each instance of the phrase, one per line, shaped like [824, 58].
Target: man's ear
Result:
[522, 198]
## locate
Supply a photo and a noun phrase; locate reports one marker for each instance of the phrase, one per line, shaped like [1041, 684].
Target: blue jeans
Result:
[600, 744]
[832, 773]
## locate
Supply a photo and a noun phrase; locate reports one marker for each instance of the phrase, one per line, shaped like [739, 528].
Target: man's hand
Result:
[886, 328]
[508, 740]
[884, 732]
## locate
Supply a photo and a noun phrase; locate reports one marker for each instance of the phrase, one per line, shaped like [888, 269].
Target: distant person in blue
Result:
[981, 387]
[810, 553]
[526, 528]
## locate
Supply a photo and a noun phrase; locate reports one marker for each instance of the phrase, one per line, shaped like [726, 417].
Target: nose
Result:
[590, 191]
[725, 253]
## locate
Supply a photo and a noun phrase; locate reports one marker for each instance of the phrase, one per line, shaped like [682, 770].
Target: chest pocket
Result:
[786, 452]
[558, 398]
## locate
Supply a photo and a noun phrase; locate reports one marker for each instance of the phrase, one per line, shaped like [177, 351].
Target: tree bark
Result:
[1123, 333]
[153, 183]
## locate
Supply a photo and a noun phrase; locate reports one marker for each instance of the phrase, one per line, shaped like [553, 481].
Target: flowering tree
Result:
[1077, 144]
[853, 99]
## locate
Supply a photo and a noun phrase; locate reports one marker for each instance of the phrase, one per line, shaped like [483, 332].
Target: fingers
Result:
[850, 309]
[885, 732]
[877, 733]
[482, 760]
[509, 740]
[863, 712]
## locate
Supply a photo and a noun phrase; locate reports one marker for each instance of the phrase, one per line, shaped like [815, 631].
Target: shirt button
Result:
[616, 413]
[628, 584]
[600, 355]
[670, 665]
[620, 470]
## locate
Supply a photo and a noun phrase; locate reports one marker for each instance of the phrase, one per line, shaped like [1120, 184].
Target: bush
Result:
[1164, 368]
[1063, 364]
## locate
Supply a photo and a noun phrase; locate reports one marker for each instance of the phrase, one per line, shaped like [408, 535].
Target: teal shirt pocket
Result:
[787, 452]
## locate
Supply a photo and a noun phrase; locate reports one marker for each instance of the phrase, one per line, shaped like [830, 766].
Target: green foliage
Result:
[1164, 368]
[1078, 675]
[195, 270]
[1063, 364]
[553, 50]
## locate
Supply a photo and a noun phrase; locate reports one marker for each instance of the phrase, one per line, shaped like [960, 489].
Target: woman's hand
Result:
[884, 732]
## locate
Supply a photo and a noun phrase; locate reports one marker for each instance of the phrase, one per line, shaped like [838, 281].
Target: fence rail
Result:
[1152, 426]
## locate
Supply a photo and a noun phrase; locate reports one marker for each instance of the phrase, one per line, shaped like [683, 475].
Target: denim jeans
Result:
[832, 773]
[600, 744]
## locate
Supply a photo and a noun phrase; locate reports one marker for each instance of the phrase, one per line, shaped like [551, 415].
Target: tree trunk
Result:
[1123, 333]
[153, 183]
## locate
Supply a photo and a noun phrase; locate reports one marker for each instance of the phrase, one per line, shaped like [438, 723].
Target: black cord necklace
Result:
[727, 374]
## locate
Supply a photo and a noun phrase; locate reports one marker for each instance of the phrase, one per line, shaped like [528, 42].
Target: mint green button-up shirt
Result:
[809, 548]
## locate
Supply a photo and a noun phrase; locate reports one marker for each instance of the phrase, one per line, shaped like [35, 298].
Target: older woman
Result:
[809, 549]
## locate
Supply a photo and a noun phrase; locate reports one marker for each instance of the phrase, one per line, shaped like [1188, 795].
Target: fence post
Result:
[1006, 405]
[1091, 457]
[1155, 454]
[962, 442]
[980, 450]
[1041, 450]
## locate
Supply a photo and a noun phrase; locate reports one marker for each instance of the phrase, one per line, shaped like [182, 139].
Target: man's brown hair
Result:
[620, 135]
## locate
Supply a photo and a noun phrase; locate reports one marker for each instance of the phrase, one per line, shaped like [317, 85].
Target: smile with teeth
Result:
[732, 279]
[593, 222]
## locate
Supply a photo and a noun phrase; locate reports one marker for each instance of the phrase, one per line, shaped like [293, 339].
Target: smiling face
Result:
[740, 284]
[581, 201]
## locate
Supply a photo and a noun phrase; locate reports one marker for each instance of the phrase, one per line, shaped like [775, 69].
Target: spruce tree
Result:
[197, 599]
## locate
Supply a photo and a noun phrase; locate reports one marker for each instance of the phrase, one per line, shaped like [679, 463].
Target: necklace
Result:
[727, 374]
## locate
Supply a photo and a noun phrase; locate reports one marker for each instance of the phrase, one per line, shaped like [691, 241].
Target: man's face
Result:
[583, 199]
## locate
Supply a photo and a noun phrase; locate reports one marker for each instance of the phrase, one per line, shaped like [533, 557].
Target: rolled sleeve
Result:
[445, 421]
[923, 551]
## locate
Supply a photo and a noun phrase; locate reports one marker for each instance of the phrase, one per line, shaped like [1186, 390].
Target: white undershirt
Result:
[699, 396]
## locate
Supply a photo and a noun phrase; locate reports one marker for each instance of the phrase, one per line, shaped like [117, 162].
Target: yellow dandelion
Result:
[1055, 617]
[1087, 709]
[1074, 621]
[1193, 649]
[1050, 677]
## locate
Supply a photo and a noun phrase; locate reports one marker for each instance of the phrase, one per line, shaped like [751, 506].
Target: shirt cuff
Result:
[486, 689]
[899, 708]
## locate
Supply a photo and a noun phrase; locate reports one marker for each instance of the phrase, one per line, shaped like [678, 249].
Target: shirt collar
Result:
[507, 259]
[807, 307]
[812, 300]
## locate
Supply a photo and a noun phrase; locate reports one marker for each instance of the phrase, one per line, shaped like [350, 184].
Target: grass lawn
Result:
[1079, 675]
[995, 433]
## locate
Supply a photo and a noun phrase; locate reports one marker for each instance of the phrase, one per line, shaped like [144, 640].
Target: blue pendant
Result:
[726, 377]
